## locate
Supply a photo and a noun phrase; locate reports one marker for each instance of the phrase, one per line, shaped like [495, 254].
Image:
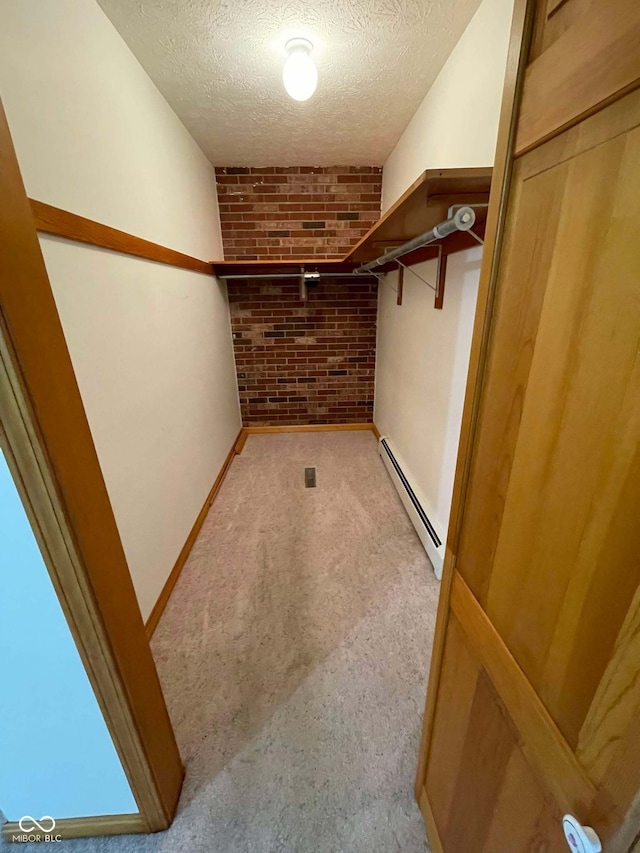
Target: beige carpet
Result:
[294, 655]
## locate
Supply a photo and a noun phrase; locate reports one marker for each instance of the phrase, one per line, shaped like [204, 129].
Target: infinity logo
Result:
[28, 824]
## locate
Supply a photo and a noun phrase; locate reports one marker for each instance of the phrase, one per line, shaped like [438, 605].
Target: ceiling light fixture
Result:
[299, 75]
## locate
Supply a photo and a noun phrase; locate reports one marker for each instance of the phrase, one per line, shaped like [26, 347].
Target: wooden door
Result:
[533, 708]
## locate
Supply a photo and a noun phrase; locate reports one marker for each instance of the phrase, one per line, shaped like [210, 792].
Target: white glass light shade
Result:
[299, 75]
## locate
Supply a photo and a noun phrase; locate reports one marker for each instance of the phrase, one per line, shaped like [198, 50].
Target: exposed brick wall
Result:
[296, 211]
[304, 362]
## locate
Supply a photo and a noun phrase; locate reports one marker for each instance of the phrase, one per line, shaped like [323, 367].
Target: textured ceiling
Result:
[219, 64]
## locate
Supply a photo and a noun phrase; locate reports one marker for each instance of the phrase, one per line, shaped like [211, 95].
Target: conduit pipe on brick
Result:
[310, 277]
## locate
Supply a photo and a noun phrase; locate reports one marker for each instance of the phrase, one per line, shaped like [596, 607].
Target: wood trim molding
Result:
[57, 469]
[242, 440]
[62, 223]
[83, 827]
[520, 38]
[376, 432]
[540, 738]
[167, 589]
[259, 430]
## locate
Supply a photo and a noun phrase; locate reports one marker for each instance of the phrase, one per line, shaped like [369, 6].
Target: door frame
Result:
[52, 457]
[520, 39]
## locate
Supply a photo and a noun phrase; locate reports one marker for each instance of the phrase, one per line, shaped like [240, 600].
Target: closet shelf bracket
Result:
[462, 220]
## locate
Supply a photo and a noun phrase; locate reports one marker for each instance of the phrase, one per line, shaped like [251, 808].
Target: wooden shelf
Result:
[422, 206]
[269, 267]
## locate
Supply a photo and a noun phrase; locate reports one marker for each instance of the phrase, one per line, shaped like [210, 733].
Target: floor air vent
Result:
[415, 505]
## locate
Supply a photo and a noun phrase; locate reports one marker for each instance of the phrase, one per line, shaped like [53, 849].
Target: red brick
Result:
[284, 197]
[293, 371]
[343, 398]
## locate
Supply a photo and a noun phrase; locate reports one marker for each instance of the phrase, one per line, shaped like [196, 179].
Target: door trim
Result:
[520, 39]
[54, 462]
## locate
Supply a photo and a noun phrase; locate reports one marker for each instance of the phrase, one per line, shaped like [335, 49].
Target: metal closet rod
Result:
[310, 279]
[463, 220]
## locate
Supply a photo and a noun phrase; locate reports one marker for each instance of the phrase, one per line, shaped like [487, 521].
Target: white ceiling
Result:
[219, 64]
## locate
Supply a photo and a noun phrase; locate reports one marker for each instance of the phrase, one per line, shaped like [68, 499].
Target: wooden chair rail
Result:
[62, 223]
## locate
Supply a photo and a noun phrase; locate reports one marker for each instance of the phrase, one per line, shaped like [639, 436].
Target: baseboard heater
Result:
[415, 504]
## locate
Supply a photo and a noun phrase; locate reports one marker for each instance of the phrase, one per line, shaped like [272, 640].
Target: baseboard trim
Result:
[81, 827]
[376, 431]
[429, 822]
[258, 430]
[242, 440]
[167, 589]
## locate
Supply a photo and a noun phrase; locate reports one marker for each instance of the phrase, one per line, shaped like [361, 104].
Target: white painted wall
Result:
[56, 754]
[423, 353]
[456, 124]
[422, 363]
[150, 344]
[155, 365]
